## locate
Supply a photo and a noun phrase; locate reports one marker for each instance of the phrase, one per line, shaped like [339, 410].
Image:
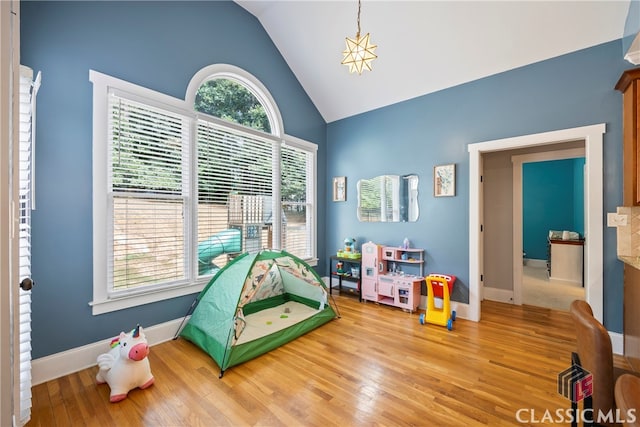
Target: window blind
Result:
[148, 195]
[297, 210]
[28, 91]
[235, 187]
[179, 193]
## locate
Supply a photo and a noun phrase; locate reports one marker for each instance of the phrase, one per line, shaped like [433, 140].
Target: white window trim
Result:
[102, 83]
[102, 301]
[312, 178]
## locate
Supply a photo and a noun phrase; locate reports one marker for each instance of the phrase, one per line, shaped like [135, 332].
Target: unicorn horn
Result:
[136, 331]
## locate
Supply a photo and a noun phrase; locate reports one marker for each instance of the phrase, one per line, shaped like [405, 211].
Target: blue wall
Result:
[411, 137]
[552, 199]
[157, 45]
[153, 44]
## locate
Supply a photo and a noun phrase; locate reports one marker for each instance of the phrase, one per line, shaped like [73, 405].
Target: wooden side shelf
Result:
[346, 276]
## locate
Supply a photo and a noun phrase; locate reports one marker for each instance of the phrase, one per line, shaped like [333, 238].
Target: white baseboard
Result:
[537, 263]
[617, 342]
[461, 309]
[67, 362]
[496, 294]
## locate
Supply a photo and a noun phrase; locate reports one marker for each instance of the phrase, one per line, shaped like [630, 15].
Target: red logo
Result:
[575, 383]
[582, 388]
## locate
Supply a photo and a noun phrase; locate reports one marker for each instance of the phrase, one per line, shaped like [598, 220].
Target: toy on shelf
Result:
[439, 286]
[406, 244]
[349, 244]
[349, 250]
[126, 366]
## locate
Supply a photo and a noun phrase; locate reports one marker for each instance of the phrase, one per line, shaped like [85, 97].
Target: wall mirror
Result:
[388, 198]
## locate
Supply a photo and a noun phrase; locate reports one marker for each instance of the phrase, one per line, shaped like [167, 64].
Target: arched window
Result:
[231, 101]
[230, 93]
[183, 186]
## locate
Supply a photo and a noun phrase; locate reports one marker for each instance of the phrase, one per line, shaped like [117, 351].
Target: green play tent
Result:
[256, 303]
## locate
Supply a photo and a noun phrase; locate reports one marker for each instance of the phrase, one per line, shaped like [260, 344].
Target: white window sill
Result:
[114, 304]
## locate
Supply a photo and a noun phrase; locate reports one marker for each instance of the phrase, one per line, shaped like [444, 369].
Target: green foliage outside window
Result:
[231, 101]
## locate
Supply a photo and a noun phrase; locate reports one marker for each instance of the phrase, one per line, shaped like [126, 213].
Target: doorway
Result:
[593, 274]
[533, 283]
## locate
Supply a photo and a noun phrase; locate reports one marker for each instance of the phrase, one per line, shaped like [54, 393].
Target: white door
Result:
[12, 407]
[25, 203]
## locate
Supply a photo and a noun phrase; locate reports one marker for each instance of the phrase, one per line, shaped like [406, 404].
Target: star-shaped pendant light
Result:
[359, 52]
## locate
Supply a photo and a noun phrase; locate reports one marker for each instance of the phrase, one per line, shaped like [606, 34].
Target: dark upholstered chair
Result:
[596, 355]
[627, 393]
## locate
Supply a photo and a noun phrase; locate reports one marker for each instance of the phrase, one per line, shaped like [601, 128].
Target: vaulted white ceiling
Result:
[425, 46]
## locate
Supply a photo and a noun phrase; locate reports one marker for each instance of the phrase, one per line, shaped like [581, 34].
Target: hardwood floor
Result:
[376, 365]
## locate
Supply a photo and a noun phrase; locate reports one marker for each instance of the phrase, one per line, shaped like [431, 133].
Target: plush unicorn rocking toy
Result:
[126, 366]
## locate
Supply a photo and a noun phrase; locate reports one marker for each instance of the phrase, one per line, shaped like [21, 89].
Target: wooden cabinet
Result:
[629, 85]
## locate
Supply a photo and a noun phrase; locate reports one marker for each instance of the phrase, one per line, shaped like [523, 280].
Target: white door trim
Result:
[6, 372]
[593, 139]
[9, 73]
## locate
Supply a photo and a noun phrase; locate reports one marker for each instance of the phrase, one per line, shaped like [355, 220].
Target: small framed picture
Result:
[444, 180]
[339, 188]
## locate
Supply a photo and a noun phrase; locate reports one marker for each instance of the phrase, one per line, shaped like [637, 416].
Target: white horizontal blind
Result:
[28, 91]
[235, 187]
[297, 208]
[376, 199]
[148, 195]
[393, 197]
[171, 184]
[371, 205]
[389, 209]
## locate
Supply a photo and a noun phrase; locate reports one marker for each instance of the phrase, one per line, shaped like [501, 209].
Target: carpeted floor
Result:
[539, 291]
